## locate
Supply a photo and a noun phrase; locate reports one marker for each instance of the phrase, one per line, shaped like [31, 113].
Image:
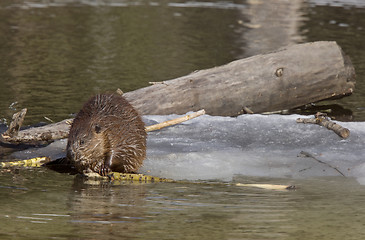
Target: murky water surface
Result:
[45, 204]
[55, 54]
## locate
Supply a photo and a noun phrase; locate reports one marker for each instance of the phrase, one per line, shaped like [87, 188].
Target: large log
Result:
[284, 79]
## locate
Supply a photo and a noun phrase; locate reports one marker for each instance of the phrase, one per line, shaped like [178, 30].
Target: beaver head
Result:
[87, 147]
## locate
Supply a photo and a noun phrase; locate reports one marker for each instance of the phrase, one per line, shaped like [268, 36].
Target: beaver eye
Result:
[81, 142]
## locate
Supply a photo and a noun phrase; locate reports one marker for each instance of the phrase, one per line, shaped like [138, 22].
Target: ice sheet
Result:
[254, 145]
[211, 147]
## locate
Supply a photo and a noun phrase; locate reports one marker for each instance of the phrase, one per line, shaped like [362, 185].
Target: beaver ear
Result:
[97, 128]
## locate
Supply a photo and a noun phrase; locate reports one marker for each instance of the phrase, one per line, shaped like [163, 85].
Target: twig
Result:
[322, 120]
[307, 154]
[175, 121]
[247, 110]
[156, 83]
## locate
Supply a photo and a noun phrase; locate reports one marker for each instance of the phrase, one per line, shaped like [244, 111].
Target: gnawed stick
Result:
[128, 177]
[33, 162]
[322, 120]
[267, 186]
[175, 121]
[147, 178]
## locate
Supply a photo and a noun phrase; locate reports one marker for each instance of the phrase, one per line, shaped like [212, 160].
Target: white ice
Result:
[253, 145]
[211, 147]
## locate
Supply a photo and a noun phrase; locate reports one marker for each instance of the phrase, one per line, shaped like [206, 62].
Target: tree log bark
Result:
[285, 79]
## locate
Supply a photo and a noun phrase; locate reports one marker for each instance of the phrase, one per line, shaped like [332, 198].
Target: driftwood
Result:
[54, 131]
[38, 135]
[16, 123]
[285, 79]
[322, 120]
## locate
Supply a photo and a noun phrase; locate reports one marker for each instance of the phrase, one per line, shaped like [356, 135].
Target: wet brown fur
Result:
[107, 135]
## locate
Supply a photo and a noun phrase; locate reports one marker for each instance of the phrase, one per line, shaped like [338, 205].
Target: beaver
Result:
[107, 135]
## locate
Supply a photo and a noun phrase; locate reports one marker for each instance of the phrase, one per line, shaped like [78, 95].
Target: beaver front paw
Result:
[104, 170]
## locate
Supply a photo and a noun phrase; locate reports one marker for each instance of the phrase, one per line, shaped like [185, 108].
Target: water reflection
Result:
[214, 211]
[58, 56]
[55, 54]
[48, 204]
[346, 26]
[272, 24]
[97, 203]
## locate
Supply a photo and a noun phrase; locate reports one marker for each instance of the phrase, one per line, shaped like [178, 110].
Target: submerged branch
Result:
[307, 154]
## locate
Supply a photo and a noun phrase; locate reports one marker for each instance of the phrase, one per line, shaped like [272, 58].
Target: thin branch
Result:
[307, 154]
[175, 121]
[322, 120]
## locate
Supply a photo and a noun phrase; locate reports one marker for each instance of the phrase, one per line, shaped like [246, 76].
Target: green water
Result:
[40, 204]
[56, 54]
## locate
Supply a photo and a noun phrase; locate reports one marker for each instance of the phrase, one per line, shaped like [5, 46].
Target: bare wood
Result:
[33, 162]
[324, 121]
[38, 135]
[175, 121]
[247, 110]
[119, 91]
[285, 79]
[149, 179]
[153, 83]
[15, 124]
[267, 186]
